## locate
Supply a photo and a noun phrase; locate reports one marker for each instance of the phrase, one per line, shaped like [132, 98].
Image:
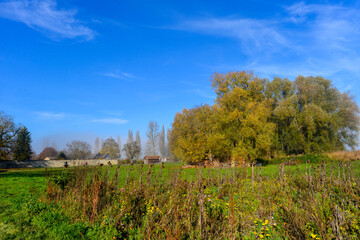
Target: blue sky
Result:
[77, 69]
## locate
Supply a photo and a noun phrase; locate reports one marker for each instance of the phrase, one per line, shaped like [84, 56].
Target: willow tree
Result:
[245, 114]
[195, 136]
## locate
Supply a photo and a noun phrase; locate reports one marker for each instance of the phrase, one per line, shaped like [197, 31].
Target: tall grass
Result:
[309, 201]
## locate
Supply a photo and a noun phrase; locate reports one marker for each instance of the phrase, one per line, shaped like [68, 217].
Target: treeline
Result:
[156, 144]
[256, 118]
[15, 143]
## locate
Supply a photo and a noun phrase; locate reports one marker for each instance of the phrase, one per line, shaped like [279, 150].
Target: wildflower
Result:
[274, 224]
[313, 235]
[255, 221]
[261, 236]
[114, 237]
[268, 235]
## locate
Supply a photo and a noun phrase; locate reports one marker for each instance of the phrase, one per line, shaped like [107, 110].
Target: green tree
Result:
[62, 156]
[22, 150]
[131, 150]
[111, 147]
[256, 118]
[244, 114]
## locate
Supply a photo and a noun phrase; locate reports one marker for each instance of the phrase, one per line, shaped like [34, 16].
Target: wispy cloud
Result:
[307, 39]
[110, 120]
[43, 16]
[120, 75]
[254, 34]
[50, 115]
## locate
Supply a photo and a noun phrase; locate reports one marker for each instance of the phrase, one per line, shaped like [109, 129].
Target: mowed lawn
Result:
[25, 213]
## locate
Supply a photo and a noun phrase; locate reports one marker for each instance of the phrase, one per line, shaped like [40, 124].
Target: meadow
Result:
[308, 197]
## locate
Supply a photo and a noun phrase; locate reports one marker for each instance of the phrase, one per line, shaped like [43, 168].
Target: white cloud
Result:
[43, 16]
[110, 120]
[50, 115]
[120, 75]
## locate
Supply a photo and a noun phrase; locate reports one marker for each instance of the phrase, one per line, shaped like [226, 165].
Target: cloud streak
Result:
[120, 75]
[110, 120]
[51, 115]
[43, 16]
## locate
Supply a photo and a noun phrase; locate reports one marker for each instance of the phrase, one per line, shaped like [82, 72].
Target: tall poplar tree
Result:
[138, 143]
[162, 146]
[97, 145]
[152, 138]
[119, 143]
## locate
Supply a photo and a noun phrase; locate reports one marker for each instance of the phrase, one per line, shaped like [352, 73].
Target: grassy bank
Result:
[295, 200]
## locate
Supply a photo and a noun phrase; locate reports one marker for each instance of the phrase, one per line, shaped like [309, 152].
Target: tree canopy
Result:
[256, 118]
[111, 147]
[78, 150]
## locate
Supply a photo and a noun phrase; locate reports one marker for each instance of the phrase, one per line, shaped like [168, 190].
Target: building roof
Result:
[155, 157]
[101, 156]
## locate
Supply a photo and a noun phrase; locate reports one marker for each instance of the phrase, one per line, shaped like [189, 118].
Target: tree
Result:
[138, 143]
[48, 152]
[168, 134]
[244, 114]
[62, 156]
[97, 145]
[22, 150]
[195, 136]
[152, 138]
[111, 147]
[8, 131]
[119, 143]
[78, 150]
[101, 143]
[131, 150]
[162, 143]
[130, 137]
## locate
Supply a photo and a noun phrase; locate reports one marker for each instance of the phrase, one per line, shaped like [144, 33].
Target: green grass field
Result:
[295, 201]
